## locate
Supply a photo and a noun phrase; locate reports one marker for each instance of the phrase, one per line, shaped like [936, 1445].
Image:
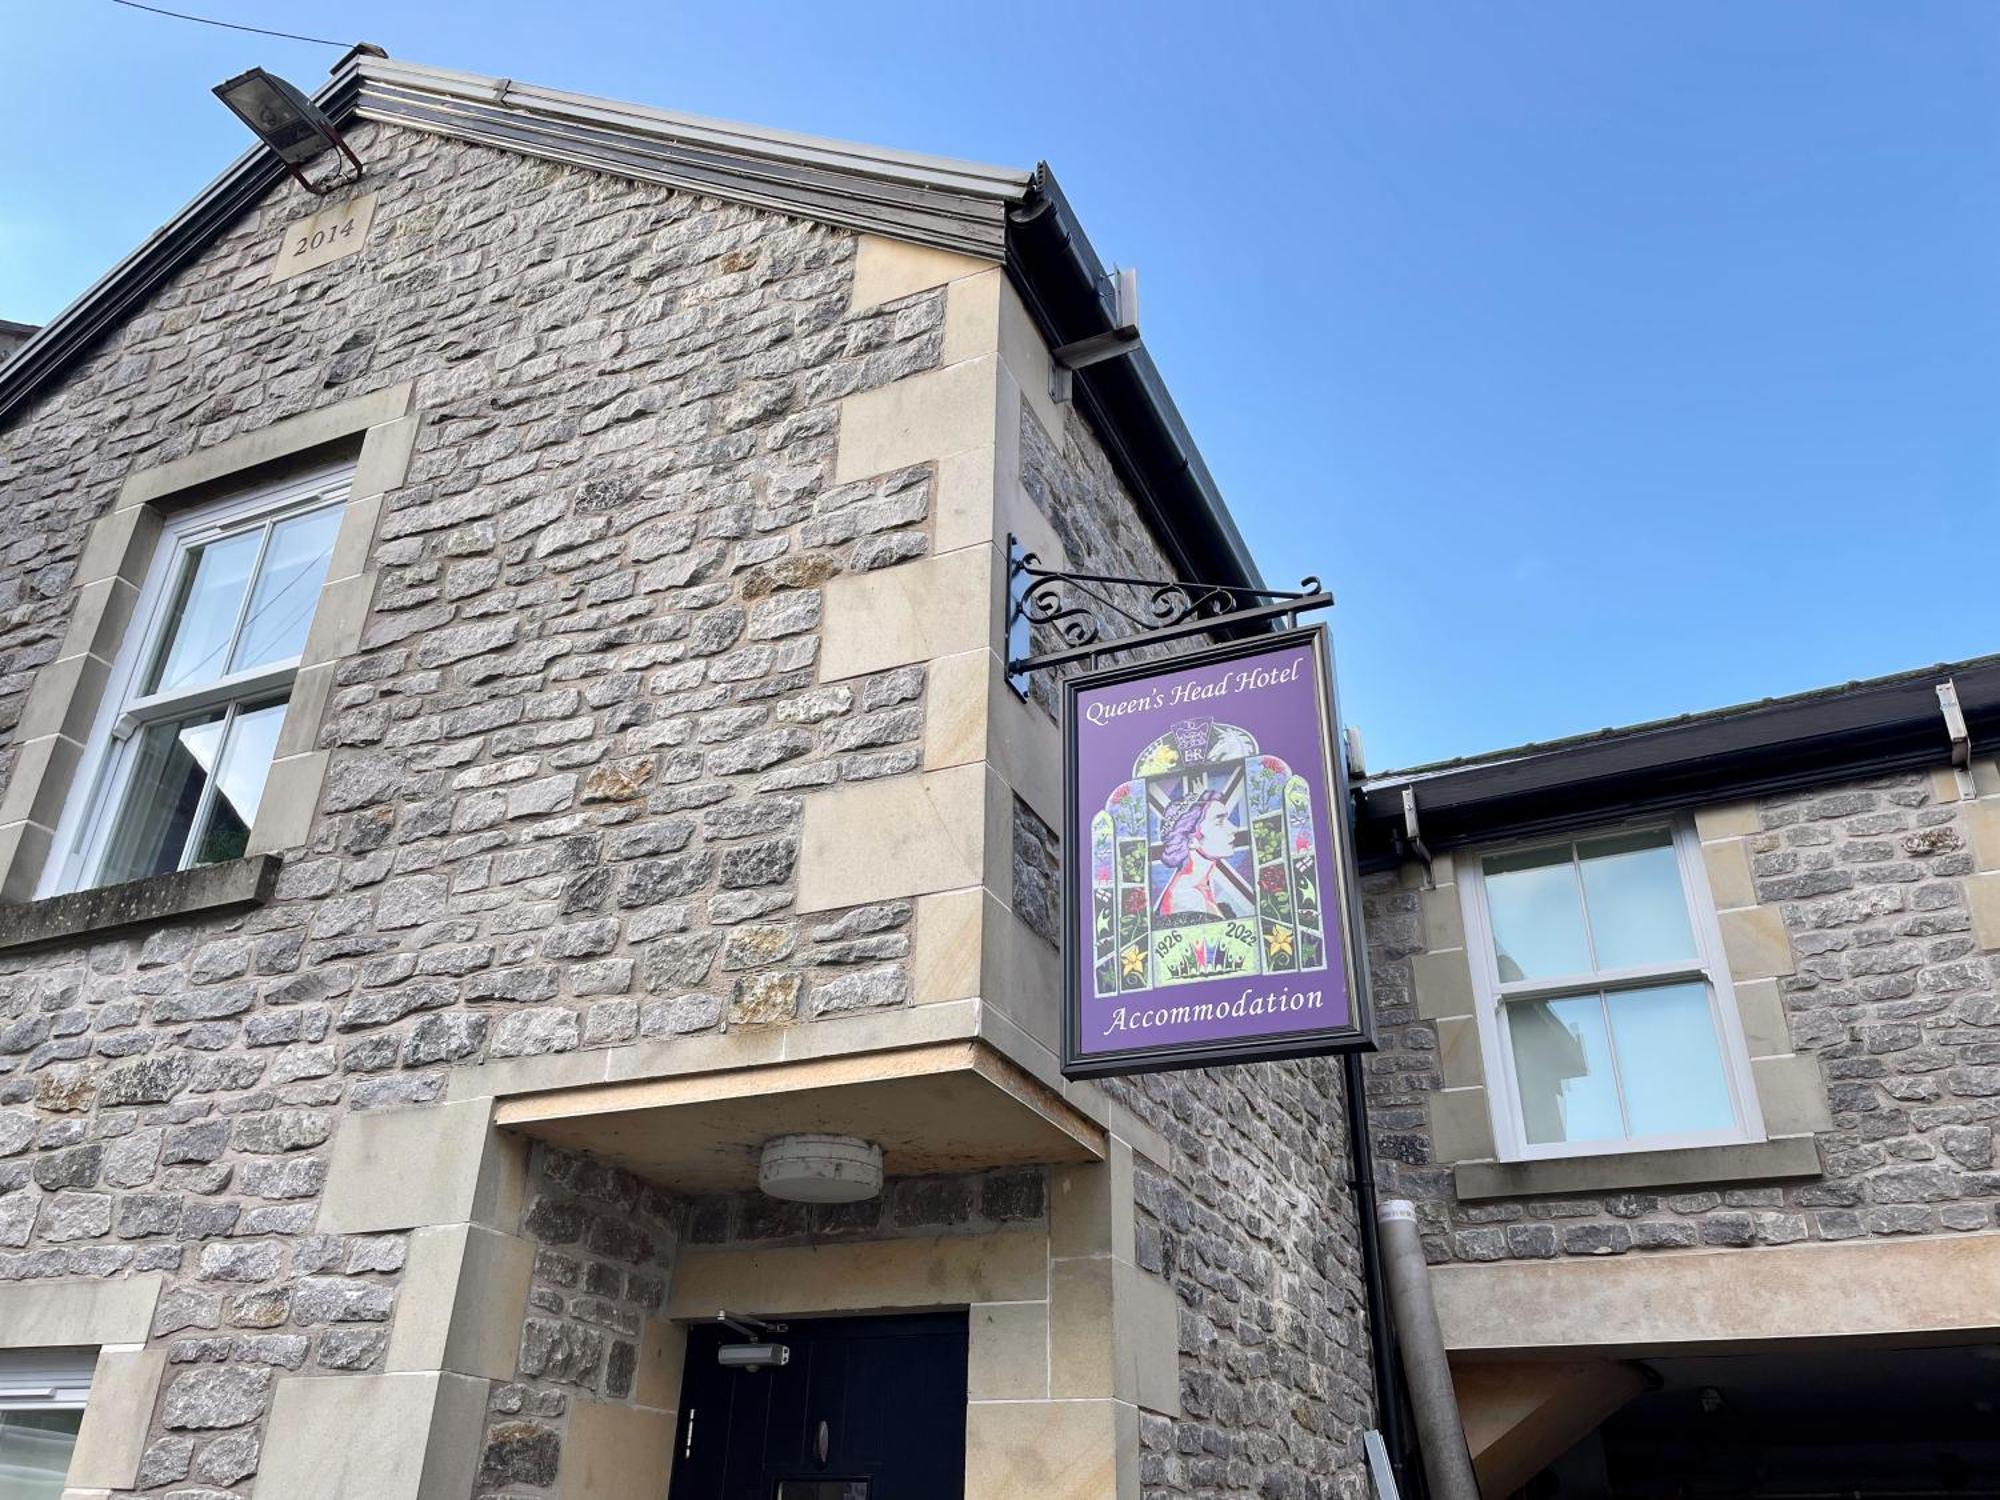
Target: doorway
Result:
[865, 1409]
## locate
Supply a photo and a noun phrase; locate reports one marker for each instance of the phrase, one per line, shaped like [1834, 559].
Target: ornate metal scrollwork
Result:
[1076, 605]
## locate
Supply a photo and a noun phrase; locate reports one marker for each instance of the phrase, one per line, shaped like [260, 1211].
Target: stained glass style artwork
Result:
[1204, 865]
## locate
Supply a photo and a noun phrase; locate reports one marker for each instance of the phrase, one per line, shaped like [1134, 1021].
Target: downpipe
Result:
[1389, 1401]
[1448, 1470]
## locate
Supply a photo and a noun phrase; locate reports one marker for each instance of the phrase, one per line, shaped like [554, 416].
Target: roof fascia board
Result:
[877, 205]
[973, 179]
[1062, 282]
[1869, 729]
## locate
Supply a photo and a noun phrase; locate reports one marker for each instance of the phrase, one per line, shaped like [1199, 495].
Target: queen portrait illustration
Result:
[1197, 837]
[1204, 865]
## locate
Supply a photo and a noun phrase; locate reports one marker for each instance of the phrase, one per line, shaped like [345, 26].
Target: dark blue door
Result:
[867, 1409]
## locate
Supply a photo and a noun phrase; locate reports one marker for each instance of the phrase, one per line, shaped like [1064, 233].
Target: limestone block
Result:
[958, 691]
[98, 619]
[299, 734]
[1091, 1206]
[407, 1168]
[1052, 1450]
[917, 419]
[464, 1295]
[883, 1274]
[291, 797]
[914, 612]
[1461, 1125]
[338, 619]
[1114, 1331]
[384, 461]
[388, 1437]
[972, 316]
[1983, 818]
[949, 925]
[1728, 866]
[24, 851]
[662, 1357]
[1734, 820]
[1982, 895]
[1791, 1094]
[121, 544]
[1444, 917]
[1460, 1052]
[886, 269]
[355, 540]
[117, 1417]
[962, 503]
[42, 772]
[901, 836]
[65, 699]
[1009, 1355]
[1084, 1344]
[1754, 939]
[615, 1452]
[38, 1314]
[1709, 1301]
[1021, 976]
[1443, 979]
[1761, 1009]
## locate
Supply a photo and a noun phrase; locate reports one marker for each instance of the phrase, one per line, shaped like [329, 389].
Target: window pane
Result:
[281, 606]
[1638, 913]
[1537, 914]
[1563, 1063]
[246, 761]
[171, 766]
[202, 617]
[34, 1452]
[1669, 1060]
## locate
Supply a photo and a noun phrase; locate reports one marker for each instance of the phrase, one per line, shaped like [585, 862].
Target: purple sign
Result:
[1206, 862]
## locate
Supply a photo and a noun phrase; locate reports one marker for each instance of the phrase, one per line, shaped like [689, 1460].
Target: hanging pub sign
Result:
[1207, 870]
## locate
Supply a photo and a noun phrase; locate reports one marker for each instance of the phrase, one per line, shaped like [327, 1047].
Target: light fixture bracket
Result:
[284, 119]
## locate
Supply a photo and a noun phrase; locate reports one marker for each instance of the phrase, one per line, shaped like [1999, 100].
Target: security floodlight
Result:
[285, 120]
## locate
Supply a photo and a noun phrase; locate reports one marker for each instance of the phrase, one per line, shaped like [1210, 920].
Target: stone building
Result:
[501, 677]
[1691, 1062]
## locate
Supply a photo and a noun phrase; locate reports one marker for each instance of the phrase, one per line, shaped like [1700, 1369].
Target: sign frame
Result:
[1358, 1034]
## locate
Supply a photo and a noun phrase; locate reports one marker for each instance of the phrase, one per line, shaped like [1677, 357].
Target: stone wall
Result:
[604, 1254]
[1867, 895]
[1254, 1227]
[566, 766]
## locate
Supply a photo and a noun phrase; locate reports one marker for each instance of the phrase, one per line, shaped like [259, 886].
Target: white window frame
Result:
[54, 1379]
[1708, 966]
[82, 835]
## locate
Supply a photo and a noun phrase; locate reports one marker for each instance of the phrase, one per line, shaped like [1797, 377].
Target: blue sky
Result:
[1608, 361]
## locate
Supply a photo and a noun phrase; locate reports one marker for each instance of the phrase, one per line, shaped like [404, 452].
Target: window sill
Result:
[229, 886]
[1752, 1161]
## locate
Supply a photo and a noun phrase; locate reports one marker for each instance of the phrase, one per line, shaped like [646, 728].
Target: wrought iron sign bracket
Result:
[1167, 609]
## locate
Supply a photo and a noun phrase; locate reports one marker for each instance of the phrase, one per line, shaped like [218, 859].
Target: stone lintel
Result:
[1724, 1301]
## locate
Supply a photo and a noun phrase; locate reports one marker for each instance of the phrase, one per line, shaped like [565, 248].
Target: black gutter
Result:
[1063, 284]
[1874, 728]
[126, 286]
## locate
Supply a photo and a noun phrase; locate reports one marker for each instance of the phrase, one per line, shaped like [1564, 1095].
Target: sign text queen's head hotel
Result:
[1207, 874]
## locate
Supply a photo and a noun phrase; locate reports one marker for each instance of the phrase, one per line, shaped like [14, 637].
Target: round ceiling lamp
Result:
[820, 1168]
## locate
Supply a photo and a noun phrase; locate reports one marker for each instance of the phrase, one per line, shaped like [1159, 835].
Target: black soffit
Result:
[1876, 727]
